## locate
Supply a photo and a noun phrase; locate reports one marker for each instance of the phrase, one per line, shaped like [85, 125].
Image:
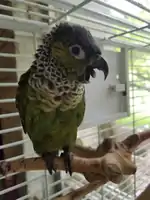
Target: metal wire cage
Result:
[117, 24]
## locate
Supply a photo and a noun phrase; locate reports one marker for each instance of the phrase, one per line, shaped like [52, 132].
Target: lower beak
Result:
[101, 64]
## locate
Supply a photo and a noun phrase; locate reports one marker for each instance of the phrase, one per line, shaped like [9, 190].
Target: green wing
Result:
[80, 109]
[50, 131]
[21, 97]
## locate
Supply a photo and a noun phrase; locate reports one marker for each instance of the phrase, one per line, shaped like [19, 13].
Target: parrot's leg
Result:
[49, 160]
[67, 159]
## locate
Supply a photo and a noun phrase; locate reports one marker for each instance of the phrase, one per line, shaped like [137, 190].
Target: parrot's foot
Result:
[49, 161]
[67, 160]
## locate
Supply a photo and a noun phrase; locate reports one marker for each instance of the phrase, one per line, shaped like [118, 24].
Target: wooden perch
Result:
[110, 149]
[31, 164]
[109, 162]
[130, 144]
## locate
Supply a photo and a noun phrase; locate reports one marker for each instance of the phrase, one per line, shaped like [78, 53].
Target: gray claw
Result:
[49, 161]
[67, 160]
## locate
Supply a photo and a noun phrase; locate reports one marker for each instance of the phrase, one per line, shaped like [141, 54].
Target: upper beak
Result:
[101, 64]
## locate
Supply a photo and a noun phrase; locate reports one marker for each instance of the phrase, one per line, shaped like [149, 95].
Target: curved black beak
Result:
[101, 64]
[98, 63]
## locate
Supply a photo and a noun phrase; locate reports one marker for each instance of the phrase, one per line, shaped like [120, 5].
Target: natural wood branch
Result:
[88, 152]
[101, 150]
[85, 152]
[109, 148]
[79, 165]
[108, 166]
[109, 162]
[133, 141]
[108, 145]
[130, 143]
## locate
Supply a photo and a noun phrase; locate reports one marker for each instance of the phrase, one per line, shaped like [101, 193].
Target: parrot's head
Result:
[75, 49]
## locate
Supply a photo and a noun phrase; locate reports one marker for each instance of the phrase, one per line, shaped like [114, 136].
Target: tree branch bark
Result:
[109, 162]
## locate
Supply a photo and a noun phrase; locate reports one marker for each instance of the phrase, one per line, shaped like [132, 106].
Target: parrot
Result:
[50, 95]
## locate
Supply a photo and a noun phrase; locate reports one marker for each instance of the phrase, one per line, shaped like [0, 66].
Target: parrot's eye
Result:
[77, 51]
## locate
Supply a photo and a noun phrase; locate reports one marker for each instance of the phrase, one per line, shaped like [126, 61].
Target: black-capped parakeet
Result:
[51, 95]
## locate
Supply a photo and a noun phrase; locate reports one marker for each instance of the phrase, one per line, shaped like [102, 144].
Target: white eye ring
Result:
[77, 51]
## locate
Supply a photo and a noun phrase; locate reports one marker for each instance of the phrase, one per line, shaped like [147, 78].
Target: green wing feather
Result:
[80, 109]
[48, 131]
[21, 97]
